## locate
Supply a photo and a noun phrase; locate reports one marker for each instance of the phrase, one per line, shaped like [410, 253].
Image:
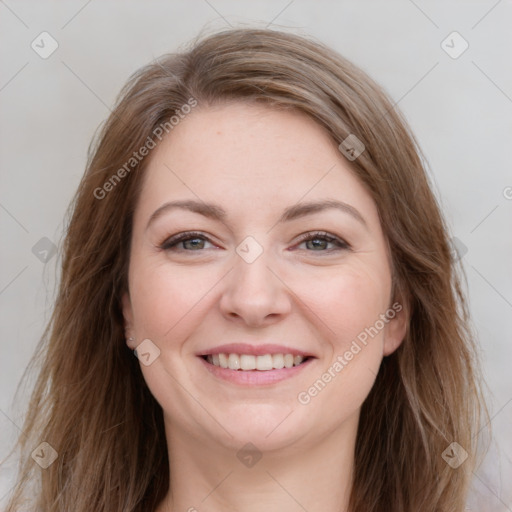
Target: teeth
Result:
[233, 362]
[288, 360]
[278, 361]
[250, 362]
[223, 361]
[247, 362]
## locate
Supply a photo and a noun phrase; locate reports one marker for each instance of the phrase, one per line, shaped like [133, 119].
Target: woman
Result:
[258, 307]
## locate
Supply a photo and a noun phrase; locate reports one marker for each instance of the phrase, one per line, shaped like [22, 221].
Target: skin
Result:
[254, 162]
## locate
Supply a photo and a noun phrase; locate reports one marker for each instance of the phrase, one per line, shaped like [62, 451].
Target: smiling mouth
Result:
[248, 362]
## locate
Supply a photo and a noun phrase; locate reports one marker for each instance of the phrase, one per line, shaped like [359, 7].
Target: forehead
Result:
[245, 155]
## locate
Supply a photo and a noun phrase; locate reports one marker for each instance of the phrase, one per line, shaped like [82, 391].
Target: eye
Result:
[193, 241]
[190, 241]
[320, 241]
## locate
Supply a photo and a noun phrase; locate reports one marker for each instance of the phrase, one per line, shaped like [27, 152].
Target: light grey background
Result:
[459, 108]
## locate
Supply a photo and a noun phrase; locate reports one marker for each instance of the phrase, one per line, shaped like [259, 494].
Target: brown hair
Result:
[91, 403]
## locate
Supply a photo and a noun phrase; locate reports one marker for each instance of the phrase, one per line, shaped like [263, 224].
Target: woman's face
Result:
[287, 256]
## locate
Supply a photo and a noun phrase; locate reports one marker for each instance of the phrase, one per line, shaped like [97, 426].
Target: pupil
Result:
[195, 243]
[317, 243]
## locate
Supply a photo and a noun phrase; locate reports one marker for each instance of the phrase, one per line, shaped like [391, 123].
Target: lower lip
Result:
[254, 377]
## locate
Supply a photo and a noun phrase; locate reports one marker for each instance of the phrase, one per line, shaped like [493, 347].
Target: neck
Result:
[314, 476]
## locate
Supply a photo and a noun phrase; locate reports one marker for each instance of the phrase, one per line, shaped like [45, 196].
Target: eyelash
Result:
[170, 244]
[322, 235]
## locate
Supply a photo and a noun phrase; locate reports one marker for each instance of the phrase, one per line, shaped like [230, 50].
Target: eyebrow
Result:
[216, 212]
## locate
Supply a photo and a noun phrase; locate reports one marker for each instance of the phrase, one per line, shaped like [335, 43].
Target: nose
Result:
[254, 294]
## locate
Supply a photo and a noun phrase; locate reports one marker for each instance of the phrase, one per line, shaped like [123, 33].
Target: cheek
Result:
[349, 305]
[164, 298]
[346, 301]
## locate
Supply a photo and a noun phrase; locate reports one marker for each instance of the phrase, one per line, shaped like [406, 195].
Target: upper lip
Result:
[255, 350]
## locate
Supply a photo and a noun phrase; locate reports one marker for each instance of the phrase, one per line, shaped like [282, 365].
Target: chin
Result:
[268, 427]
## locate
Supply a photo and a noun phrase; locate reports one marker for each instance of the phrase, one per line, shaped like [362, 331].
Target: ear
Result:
[396, 329]
[128, 320]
